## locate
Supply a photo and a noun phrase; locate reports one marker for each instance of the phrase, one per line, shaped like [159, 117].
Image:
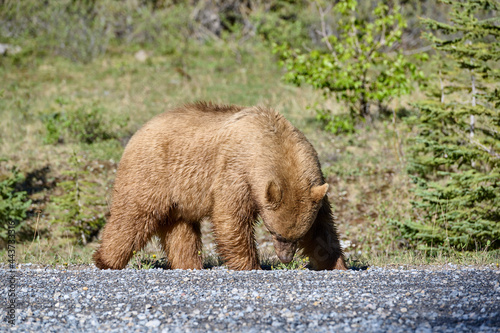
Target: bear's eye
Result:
[281, 239]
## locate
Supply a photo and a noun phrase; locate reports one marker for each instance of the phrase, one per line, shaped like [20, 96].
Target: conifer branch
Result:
[484, 148]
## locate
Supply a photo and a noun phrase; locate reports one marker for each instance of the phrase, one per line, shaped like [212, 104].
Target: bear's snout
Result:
[285, 250]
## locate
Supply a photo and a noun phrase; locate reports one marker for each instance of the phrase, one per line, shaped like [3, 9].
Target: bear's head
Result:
[289, 213]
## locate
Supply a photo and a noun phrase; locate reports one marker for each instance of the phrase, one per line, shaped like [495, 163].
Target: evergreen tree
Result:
[456, 157]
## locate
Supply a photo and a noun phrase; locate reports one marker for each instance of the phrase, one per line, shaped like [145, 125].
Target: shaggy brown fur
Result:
[229, 164]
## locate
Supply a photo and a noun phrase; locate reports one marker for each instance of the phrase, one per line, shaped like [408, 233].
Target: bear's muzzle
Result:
[284, 250]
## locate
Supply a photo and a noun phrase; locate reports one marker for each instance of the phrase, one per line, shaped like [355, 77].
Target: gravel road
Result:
[450, 299]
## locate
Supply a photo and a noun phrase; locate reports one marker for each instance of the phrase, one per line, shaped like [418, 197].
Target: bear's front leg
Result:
[235, 240]
[321, 243]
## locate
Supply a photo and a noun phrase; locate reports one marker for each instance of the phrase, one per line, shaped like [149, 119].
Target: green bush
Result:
[13, 204]
[85, 124]
[359, 64]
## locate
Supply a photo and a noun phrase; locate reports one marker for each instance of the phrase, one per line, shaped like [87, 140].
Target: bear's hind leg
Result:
[119, 240]
[182, 244]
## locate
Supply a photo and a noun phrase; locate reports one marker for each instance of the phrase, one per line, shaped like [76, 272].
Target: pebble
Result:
[452, 299]
[153, 323]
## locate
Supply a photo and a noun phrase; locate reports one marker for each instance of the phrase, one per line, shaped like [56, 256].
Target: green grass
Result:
[365, 169]
[440, 258]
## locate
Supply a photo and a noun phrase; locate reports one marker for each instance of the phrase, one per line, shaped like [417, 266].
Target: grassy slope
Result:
[365, 169]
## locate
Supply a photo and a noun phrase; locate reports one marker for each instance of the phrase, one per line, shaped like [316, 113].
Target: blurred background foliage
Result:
[82, 30]
[388, 110]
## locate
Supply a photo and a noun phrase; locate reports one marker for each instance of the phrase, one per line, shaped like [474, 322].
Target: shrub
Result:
[85, 124]
[359, 64]
[13, 204]
[76, 207]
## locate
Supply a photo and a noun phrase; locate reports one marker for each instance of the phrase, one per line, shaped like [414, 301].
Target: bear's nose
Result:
[285, 257]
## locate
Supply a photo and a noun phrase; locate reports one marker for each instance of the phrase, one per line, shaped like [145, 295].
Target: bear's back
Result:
[200, 114]
[191, 126]
[180, 157]
[195, 133]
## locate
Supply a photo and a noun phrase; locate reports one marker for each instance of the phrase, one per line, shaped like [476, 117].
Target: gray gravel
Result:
[455, 299]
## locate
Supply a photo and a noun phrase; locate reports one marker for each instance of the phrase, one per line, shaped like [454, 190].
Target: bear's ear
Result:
[318, 192]
[273, 194]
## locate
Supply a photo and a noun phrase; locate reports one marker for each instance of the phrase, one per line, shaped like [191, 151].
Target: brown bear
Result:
[230, 164]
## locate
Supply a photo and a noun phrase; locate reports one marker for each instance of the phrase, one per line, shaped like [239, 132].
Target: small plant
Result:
[147, 261]
[53, 126]
[298, 263]
[357, 264]
[13, 204]
[74, 206]
[212, 260]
